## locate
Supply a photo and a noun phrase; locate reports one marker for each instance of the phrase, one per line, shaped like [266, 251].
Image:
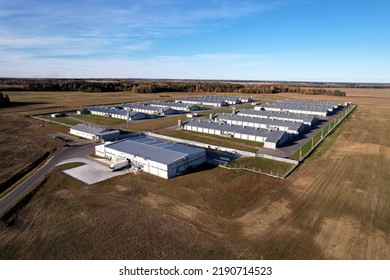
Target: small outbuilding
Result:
[94, 133]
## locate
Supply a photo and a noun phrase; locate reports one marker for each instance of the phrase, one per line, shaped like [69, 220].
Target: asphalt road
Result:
[32, 182]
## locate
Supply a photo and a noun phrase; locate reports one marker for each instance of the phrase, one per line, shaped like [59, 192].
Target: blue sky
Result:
[297, 40]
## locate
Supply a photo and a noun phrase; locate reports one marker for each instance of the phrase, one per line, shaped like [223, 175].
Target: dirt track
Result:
[335, 206]
[20, 144]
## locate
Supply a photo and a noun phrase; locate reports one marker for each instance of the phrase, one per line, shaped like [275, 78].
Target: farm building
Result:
[214, 100]
[94, 133]
[301, 107]
[271, 138]
[82, 112]
[117, 113]
[176, 106]
[146, 109]
[288, 126]
[306, 119]
[160, 158]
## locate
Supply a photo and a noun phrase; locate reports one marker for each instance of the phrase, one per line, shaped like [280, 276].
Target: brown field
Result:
[336, 205]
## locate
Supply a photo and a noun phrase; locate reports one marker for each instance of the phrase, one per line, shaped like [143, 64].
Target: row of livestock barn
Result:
[215, 100]
[274, 127]
[316, 108]
[271, 138]
[133, 111]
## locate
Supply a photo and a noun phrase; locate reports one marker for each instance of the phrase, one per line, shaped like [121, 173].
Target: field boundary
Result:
[253, 169]
[41, 117]
[317, 139]
[287, 160]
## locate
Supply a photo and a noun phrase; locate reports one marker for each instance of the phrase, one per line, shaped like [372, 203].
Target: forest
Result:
[158, 86]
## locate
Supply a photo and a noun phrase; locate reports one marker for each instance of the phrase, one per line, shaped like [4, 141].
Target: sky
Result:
[286, 40]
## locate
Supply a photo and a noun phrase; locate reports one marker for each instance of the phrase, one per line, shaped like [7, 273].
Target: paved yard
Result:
[92, 172]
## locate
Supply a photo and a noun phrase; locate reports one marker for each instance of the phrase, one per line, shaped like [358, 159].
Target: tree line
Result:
[4, 99]
[143, 86]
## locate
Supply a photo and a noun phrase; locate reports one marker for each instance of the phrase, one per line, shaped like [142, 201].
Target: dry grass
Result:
[262, 164]
[334, 206]
[100, 120]
[155, 124]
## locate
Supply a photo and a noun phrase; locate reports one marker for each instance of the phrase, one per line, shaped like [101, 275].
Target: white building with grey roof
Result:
[306, 119]
[271, 138]
[151, 110]
[176, 106]
[214, 100]
[117, 113]
[283, 125]
[94, 133]
[301, 107]
[154, 156]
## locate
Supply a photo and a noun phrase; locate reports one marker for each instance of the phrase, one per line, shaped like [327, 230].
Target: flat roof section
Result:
[86, 128]
[156, 150]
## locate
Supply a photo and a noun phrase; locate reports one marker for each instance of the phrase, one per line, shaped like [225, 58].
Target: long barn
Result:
[288, 126]
[271, 138]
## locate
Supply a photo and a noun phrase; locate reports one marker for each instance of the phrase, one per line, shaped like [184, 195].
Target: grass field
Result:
[63, 120]
[262, 164]
[336, 205]
[154, 124]
[100, 120]
[233, 143]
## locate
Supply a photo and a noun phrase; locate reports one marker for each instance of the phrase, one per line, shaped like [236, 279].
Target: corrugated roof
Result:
[313, 106]
[271, 122]
[213, 99]
[271, 135]
[168, 104]
[88, 128]
[154, 149]
[142, 106]
[109, 110]
[280, 115]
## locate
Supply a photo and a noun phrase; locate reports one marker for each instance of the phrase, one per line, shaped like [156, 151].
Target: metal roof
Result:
[313, 106]
[214, 99]
[142, 106]
[272, 136]
[169, 104]
[291, 125]
[88, 128]
[109, 110]
[154, 149]
[277, 115]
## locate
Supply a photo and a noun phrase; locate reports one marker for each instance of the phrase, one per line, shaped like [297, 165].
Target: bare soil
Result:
[336, 205]
[20, 144]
